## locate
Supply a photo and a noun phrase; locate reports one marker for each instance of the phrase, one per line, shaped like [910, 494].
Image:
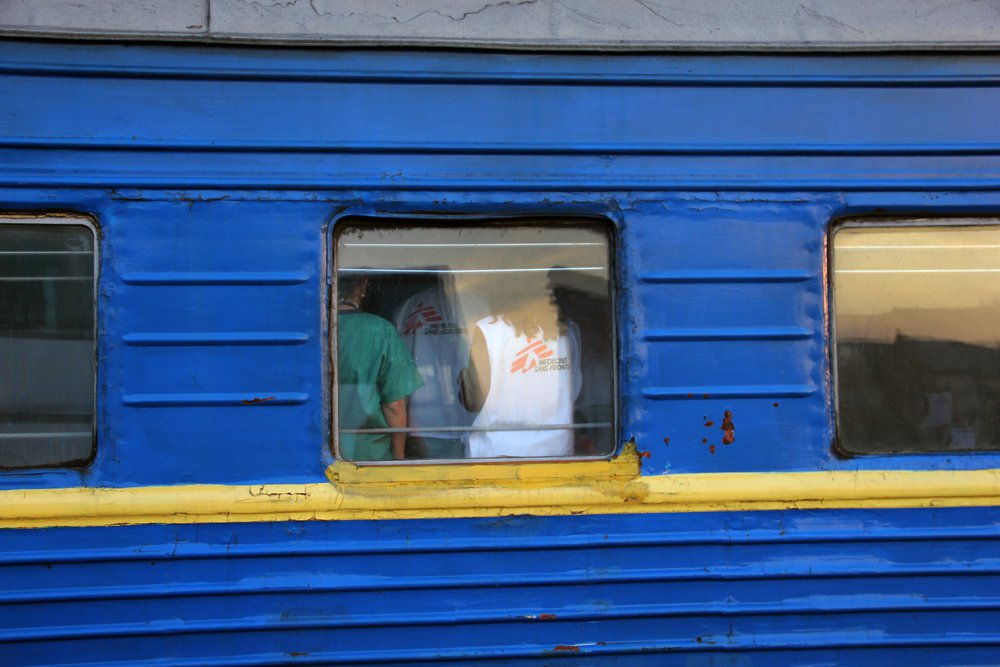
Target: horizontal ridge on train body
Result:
[644, 578]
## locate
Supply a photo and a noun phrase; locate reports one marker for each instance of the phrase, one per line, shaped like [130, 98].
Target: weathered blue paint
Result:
[214, 176]
[829, 587]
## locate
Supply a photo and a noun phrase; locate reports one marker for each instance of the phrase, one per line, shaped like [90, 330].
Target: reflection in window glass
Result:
[481, 341]
[918, 337]
[46, 344]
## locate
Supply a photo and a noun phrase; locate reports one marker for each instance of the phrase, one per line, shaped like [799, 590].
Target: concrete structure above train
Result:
[599, 25]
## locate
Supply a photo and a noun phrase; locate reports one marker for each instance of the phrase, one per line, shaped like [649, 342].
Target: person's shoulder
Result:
[488, 325]
[495, 321]
[404, 309]
[369, 321]
[408, 308]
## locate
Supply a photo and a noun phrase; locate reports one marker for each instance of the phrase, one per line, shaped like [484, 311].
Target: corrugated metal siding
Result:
[765, 588]
[213, 176]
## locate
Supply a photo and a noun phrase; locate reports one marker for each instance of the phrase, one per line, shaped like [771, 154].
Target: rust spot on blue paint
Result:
[728, 428]
[567, 648]
[709, 423]
[546, 617]
[255, 400]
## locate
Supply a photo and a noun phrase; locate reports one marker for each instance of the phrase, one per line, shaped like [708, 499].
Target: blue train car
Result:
[781, 271]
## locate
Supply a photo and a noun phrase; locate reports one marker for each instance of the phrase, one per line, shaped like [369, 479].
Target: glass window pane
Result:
[917, 331]
[485, 341]
[46, 344]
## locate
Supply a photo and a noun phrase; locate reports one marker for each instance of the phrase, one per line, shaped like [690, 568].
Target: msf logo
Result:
[419, 317]
[528, 358]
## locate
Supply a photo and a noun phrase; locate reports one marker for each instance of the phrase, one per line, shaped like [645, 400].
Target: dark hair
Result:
[349, 286]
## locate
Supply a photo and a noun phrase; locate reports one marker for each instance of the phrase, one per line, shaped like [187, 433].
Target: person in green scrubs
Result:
[375, 374]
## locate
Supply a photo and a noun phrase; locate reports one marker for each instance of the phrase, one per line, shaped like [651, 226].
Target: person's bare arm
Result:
[395, 417]
[474, 380]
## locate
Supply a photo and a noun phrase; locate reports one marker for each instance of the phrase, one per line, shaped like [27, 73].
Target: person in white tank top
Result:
[524, 370]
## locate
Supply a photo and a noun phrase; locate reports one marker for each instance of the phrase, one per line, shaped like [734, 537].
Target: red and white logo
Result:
[528, 358]
[419, 317]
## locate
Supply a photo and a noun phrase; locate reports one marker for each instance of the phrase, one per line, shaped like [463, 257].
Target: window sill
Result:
[504, 472]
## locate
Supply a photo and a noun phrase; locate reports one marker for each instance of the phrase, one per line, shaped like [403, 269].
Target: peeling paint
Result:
[255, 400]
[567, 648]
[539, 617]
[728, 428]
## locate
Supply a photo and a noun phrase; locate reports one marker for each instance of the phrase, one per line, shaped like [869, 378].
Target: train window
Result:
[917, 329]
[485, 340]
[47, 341]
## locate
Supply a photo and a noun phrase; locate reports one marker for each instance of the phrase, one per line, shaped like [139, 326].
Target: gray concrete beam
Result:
[636, 25]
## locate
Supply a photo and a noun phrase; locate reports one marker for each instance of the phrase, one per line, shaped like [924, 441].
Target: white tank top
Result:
[532, 382]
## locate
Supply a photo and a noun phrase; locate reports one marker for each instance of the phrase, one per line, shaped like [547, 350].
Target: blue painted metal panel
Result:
[214, 175]
[251, 268]
[720, 589]
[486, 118]
[335, 172]
[262, 64]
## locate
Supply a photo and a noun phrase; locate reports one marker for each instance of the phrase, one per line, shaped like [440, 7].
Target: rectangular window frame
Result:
[90, 223]
[612, 234]
[889, 221]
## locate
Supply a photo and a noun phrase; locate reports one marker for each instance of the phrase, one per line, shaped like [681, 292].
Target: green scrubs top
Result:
[374, 368]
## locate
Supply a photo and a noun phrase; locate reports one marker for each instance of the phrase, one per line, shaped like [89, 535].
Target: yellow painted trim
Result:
[623, 466]
[426, 492]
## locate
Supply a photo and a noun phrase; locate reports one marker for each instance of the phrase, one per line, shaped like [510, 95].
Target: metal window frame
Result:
[90, 223]
[522, 219]
[870, 221]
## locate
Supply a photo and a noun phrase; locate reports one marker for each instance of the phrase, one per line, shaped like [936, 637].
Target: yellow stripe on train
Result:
[489, 490]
